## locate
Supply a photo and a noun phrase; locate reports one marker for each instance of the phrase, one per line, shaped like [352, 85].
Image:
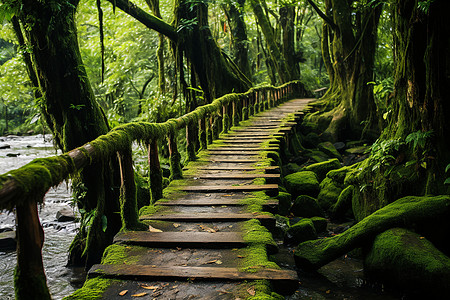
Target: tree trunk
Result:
[287, 17]
[239, 35]
[70, 110]
[353, 50]
[154, 6]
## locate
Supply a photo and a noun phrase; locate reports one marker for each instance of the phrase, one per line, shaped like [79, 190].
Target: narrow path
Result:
[205, 239]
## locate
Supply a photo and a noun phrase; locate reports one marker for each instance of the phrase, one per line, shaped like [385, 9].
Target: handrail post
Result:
[209, 132]
[174, 157]
[236, 117]
[202, 133]
[225, 119]
[251, 110]
[245, 108]
[128, 204]
[256, 104]
[190, 141]
[154, 174]
[29, 280]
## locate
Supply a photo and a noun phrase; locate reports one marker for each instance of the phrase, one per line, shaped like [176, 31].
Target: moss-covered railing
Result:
[22, 189]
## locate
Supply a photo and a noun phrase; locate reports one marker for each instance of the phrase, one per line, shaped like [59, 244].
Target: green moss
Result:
[301, 231]
[244, 113]
[92, 289]
[284, 203]
[29, 285]
[306, 207]
[415, 212]
[329, 149]
[175, 166]
[262, 290]
[343, 204]
[225, 124]
[329, 193]
[322, 168]
[149, 210]
[406, 260]
[117, 254]
[255, 258]
[302, 183]
[255, 233]
[320, 224]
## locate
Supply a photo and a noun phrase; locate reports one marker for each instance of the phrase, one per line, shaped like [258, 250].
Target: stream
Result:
[62, 281]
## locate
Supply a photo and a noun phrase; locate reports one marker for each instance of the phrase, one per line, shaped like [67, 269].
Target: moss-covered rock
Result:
[311, 140]
[302, 183]
[406, 260]
[306, 207]
[308, 127]
[320, 224]
[301, 231]
[284, 203]
[329, 149]
[321, 169]
[329, 193]
[406, 212]
[291, 168]
[317, 155]
[339, 175]
[340, 209]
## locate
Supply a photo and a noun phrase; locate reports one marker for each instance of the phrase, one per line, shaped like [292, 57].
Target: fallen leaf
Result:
[153, 229]
[251, 291]
[328, 291]
[211, 261]
[139, 295]
[176, 225]
[223, 292]
[149, 287]
[122, 293]
[178, 248]
[175, 286]
[219, 262]
[240, 256]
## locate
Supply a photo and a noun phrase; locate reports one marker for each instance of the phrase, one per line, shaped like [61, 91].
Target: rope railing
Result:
[22, 189]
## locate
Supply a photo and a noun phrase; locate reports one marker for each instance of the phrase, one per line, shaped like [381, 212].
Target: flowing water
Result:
[61, 280]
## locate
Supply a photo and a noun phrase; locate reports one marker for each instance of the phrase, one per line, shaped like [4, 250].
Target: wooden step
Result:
[230, 188]
[235, 176]
[181, 239]
[231, 160]
[246, 148]
[210, 202]
[247, 137]
[268, 170]
[235, 152]
[210, 217]
[284, 281]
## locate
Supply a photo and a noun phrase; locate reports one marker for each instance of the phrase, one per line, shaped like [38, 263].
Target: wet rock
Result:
[302, 183]
[321, 169]
[65, 214]
[301, 231]
[320, 224]
[402, 258]
[340, 146]
[4, 146]
[357, 150]
[306, 206]
[343, 205]
[12, 154]
[8, 240]
[311, 140]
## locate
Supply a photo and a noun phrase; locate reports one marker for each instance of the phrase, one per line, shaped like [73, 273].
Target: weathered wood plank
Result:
[210, 202]
[206, 217]
[268, 170]
[230, 188]
[236, 176]
[287, 278]
[181, 239]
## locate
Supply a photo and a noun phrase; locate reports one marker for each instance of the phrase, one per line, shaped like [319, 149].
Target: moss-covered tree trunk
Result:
[154, 6]
[235, 15]
[287, 17]
[421, 105]
[352, 51]
[70, 110]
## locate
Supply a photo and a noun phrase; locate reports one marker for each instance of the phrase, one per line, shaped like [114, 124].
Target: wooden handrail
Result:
[24, 187]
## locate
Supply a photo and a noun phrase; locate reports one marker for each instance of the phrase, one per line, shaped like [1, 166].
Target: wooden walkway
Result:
[201, 244]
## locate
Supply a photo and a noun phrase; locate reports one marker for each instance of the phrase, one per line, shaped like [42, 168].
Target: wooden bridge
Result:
[211, 228]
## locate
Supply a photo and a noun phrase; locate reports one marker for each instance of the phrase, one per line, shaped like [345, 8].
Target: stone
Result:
[284, 203]
[302, 183]
[340, 209]
[403, 259]
[306, 207]
[301, 231]
[311, 140]
[320, 224]
[65, 214]
[322, 168]
[328, 149]
[329, 193]
[291, 168]
[8, 240]
[317, 155]
[340, 146]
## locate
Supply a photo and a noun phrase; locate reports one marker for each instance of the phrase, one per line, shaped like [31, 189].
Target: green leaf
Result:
[104, 223]
[424, 164]
[447, 168]
[447, 181]
[411, 162]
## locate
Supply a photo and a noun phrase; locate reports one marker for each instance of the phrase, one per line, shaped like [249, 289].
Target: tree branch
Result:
[148, 20]
[322, 15]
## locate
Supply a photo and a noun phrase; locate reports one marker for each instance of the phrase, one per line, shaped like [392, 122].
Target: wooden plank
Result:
[232, 160]
[210, 202]
[147, 272]
[235, 176]
[236, 152]
[229, 188]
[181, 239]
[206, 217]
[228, 148]
[269, 170]
[248, 137]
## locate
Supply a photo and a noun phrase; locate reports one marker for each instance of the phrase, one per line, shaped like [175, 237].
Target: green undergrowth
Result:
[92, 289]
